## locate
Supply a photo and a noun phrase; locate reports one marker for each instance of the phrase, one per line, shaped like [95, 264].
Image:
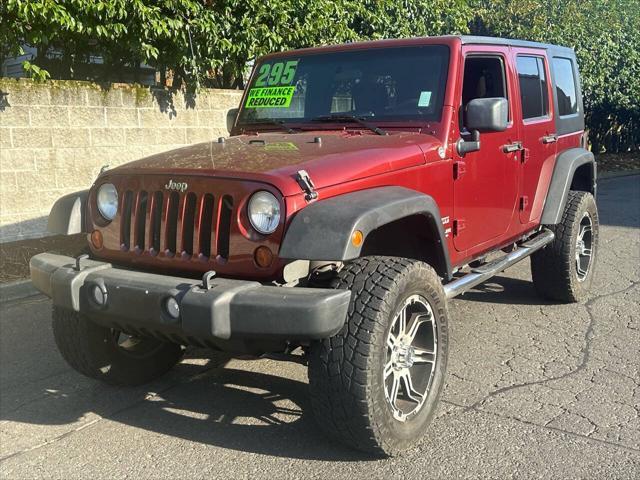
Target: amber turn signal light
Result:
[96, 239]
[356, 238]
[263, 256]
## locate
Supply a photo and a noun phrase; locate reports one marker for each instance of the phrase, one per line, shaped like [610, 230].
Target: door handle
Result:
[512, 147]
[550, 138]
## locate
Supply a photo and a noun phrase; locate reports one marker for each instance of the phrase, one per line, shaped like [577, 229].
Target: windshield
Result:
[380, 84]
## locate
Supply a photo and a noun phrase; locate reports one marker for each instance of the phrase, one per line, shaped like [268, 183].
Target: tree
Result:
[206, 41]
[605, 35]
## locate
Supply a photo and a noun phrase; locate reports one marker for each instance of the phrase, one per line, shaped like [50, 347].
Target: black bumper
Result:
[229, 309]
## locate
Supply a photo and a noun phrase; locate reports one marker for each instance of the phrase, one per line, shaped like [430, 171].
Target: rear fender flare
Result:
[562, 179]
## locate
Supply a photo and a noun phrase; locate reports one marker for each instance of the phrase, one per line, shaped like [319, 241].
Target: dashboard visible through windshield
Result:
[376, 84]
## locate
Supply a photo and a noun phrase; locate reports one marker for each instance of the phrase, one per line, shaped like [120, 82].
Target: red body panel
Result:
[485, 200]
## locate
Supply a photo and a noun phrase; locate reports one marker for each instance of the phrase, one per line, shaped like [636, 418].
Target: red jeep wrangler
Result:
[363, 186]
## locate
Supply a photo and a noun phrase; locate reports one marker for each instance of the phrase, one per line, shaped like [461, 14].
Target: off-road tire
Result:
[345, 371]
[553, 268]
[91, 350]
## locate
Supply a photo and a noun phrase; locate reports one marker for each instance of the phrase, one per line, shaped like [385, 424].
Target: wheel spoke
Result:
[395, 388]
[423, 356]
[391, 340]
[402, 322]
[388, 369]
[412, 393]
[586, 252]
[416, 321]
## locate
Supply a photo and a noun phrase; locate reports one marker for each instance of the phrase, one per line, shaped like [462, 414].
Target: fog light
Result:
[96, 239]
[263, 256]
[172, 308]
[98, 295]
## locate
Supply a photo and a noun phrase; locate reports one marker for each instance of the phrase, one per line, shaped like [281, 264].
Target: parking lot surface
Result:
[534, 389]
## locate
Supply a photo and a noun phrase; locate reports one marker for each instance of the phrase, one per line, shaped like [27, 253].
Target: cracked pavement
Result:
[534, 389]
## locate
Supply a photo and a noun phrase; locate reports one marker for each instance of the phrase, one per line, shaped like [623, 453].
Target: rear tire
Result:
[354, 375]
[105, 354]
[563, 270]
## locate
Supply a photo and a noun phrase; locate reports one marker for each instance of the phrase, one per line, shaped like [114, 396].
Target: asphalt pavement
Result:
[534, 389]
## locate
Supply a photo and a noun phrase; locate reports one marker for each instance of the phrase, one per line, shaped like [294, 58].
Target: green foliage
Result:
[605, 35]
[226, 35]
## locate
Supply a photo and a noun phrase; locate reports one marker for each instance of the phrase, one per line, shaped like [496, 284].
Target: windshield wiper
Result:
[278, 123]
[350, 118]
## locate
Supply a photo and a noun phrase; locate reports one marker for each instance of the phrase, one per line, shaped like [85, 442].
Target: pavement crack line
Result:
[585, 351]
[537, 425]
[111, 415]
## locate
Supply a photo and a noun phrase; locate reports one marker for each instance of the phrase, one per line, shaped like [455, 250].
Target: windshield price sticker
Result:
[278, 97]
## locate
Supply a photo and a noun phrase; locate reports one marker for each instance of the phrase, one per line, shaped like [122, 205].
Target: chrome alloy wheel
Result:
[584, 247]
[410, 360]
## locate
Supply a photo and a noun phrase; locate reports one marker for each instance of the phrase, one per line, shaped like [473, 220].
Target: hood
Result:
[275, 158]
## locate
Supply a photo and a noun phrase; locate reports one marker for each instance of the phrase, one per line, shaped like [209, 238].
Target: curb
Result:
[624, 173]
[17, 291]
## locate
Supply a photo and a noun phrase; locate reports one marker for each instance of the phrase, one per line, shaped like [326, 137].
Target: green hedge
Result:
[226, 34]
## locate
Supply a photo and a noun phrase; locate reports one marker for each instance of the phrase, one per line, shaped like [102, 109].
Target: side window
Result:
[565, 86]
[484, 77]
[534, 94]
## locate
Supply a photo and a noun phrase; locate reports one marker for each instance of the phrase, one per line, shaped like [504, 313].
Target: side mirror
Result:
[231, 118]
[483, 115]
[487, 114]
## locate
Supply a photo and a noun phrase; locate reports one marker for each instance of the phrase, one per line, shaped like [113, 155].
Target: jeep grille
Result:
[178, 224]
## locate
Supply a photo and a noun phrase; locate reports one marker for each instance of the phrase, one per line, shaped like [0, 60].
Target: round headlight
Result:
[264, 212]
[107, 200]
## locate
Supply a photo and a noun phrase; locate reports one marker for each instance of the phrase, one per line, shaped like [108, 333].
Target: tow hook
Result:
[307, 186]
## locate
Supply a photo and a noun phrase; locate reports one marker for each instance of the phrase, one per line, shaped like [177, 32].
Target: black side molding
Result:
[323, 230]
[67, 215]
[563, 175]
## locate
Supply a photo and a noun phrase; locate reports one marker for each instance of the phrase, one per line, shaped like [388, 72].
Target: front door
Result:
[486, 181]
[537, 130]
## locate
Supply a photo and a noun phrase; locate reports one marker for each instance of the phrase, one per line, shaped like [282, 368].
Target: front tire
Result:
[109, 355]
[375, 385]
[563, 270]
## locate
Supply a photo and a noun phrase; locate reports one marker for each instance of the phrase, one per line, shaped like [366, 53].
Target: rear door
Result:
[486, 181]
[536, 125]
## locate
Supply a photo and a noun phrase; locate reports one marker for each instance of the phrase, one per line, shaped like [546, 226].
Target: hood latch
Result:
[307, 186]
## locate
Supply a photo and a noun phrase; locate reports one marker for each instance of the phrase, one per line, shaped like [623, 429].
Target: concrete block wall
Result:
[56, 135]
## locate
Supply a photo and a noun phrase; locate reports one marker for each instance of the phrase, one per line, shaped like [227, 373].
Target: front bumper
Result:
[228, 309]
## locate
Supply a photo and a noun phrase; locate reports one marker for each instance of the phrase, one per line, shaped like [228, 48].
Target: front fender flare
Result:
[323, 230]
[67, 216]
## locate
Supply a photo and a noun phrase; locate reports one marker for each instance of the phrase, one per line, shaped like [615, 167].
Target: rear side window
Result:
[565, 86]
[533, 87]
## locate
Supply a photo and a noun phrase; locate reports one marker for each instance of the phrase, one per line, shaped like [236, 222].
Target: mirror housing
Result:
[483, 115]
[487, 114]
[231, 118]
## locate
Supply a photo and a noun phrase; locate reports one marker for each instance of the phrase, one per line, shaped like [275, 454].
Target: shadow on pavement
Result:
[234, 409]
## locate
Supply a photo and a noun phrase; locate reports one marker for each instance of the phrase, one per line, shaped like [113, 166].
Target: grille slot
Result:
[206, 225]
[155, 227]
[172, 222]
[125, 226]
[224, 225]
[140, 223]
[188, 223]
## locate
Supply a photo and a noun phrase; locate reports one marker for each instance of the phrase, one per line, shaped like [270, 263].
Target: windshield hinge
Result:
[307, 186]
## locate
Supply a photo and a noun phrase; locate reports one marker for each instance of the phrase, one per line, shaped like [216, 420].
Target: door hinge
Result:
[526, 153]
[458, 226]
[459, 169]
[524, 202]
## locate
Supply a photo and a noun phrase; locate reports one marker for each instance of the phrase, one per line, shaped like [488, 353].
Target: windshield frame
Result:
[309, 124]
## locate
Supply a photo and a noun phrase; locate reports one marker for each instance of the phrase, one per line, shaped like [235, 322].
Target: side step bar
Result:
[485, 272]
